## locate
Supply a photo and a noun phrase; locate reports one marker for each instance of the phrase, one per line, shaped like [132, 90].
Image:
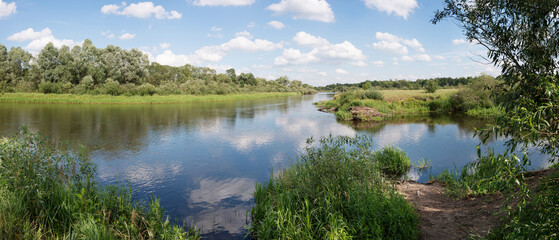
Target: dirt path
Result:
[447, 218]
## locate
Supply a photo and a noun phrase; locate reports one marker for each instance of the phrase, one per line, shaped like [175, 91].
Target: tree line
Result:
[87, 69]
[444, 82]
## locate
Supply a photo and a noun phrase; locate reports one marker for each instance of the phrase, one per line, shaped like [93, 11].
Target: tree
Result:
[231, 73]
[431, 86]
[367, 85]
[522, 37]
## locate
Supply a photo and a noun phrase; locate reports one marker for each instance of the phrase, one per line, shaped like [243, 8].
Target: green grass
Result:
[492, 173]
[333, 191]
[108, 99]
[393, 162]
[48, 192]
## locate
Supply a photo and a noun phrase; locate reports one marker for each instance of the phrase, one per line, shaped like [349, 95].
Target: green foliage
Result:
[431, 86]
[522, 37]
[372, 94]
[392, 162]
[115, 71]
[536, 219]
[333, 191]
[344, 115]
[49, 192]
[367, 86]
[487, 175]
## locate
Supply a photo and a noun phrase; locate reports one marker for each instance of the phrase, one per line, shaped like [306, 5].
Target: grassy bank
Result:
[108, 99]
[48, 192]
[474, 99]
[336, 190]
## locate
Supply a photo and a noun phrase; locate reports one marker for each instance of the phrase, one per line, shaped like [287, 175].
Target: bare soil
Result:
[443, 217]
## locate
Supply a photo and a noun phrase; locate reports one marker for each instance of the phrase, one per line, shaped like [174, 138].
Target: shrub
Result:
[332, 191]
[49, 87]
[344, 115]
[145, 89]
[440, 105]
[111, 87]
[431, 86]
[393, 162]
[372, 94]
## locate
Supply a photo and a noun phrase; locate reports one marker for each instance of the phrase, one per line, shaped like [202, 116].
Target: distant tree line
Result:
[443, 82]
[87, 69]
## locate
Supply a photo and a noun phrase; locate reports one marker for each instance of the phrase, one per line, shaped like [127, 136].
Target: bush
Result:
[49, 87]
[146, 89]
[393, 162]
[49, 192]
[344, 115]
[111, 87]
[372, 94]
[333, 191]
[431, 86]
[440, 105]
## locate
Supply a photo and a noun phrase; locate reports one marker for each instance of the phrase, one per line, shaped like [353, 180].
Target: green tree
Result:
[367, 85]
[48, 61]
[522, 37]
[231, 73]
[431, 86]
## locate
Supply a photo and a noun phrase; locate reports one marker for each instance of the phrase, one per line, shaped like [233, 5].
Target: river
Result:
[203, 159]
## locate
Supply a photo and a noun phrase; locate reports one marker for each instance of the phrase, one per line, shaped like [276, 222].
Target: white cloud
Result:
[7, 9]
[378, 63]
[419, 57]
[276, 24]
[108, 34]
[216, 29]
[458, 41]
[223, 3]
[30, 34]
[323, 74]
[244, 34]
[399, 7]
[360, 64]
[164, 45]
[127, 36]
[392, 43]
[140, 10]
[216, 53]
[393, 47]
[305, 39]
[341, 71]
[323, 51]
[40, 39]
[318, 10]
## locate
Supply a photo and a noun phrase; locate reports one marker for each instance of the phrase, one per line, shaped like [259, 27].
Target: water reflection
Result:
[203, 159]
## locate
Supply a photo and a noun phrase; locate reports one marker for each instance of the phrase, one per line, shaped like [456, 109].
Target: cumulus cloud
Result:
[359, 64]
[127, 36]
[245, 33]
[341, 71]
[394, 44]
[305, 39]
[140, 10]
[223, 3]
[400, 8]
[419, 58]
[216, 29]
[39, 39]
[318, 10]
[458, 41]
[323, 51]
[7, 9]
[216, 53]
[276, 24]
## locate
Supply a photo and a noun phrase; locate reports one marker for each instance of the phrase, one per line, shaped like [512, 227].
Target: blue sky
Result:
[316, 41]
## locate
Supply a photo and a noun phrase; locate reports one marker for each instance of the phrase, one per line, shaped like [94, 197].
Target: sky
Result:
[318, 42]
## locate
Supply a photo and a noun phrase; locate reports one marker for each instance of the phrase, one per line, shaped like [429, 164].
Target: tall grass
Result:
[489, 174]
[333, 191]
[48, 192]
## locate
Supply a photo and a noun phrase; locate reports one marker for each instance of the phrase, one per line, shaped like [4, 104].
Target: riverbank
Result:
[379, 105]
[108, 99]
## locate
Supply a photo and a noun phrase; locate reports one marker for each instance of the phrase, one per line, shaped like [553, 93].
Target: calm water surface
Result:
[203, 159]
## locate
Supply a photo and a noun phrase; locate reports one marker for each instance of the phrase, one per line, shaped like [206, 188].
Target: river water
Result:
[203, 159]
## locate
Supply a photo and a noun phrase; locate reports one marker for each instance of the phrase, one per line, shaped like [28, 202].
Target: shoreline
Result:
[41, 98]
